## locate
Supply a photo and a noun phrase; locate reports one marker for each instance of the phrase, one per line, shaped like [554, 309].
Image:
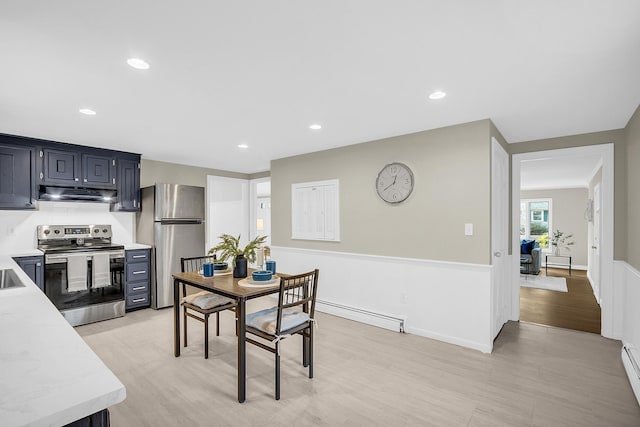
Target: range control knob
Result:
[104, 230]
[97, 230]
[47, 231]
[56, 231]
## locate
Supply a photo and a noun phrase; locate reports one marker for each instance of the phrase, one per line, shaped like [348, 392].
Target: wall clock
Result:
[394, 183]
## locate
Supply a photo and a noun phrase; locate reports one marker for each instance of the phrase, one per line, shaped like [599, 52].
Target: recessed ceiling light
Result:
[87, 111]
[243, 146]
[315, 126]
[437, 95]
[138, 63]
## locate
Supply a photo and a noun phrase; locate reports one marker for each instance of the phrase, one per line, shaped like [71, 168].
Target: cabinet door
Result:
[128, 185]
[98, 171]
[33, 266]
[61, 167]
[17, 174]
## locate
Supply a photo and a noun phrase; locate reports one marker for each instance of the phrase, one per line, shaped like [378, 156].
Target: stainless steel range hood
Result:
[77, 194]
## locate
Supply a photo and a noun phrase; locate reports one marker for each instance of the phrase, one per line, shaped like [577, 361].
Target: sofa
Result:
[530, 257]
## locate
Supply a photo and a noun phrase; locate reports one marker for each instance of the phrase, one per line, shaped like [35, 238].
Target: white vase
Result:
[556, 250]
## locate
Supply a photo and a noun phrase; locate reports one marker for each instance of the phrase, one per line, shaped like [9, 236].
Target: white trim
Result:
[443, 300]
[384, 258]
[627, 279]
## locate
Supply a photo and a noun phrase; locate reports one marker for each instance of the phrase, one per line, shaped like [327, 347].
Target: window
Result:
[315, 210]
[535, 220]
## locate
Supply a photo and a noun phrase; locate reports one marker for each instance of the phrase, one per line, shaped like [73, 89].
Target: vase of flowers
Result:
[229, 247]
[561, 240]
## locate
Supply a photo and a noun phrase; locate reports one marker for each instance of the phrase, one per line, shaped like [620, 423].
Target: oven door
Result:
[56, 281]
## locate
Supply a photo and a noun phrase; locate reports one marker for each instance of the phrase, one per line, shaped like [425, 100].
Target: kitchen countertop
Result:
[133, 246]
[23, 252]
[48, 374]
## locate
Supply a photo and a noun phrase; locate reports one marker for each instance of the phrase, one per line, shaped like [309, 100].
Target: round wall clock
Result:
[394, 183]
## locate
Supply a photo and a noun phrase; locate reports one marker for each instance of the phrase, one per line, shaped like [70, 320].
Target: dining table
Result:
[228, 286]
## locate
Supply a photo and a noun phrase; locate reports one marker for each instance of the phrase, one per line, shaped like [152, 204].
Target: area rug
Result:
[558, 284]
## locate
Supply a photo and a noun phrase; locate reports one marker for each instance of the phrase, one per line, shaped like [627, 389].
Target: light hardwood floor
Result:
[365, 376]
[576, 309]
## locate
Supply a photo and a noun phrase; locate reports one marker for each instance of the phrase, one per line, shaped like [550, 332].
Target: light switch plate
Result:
[468, 229]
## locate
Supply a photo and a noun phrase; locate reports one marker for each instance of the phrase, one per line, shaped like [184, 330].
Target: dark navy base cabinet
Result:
[136, 270]
[33, 266]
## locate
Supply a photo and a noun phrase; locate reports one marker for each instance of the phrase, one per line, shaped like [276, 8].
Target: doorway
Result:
[605, 265]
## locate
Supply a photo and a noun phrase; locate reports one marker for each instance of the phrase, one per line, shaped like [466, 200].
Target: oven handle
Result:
[62, 258]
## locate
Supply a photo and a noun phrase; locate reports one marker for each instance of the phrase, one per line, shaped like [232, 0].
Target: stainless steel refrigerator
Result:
[171, 220]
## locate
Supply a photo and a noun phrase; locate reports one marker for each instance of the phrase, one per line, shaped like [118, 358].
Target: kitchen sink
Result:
[9, 279]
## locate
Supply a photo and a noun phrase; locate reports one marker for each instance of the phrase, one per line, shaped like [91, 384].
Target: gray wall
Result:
[633, 190]
[568, 208]
[452, 187]
[617, 137]
[152, 171]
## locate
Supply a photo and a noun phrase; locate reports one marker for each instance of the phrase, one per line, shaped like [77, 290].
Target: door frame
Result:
[611, 298]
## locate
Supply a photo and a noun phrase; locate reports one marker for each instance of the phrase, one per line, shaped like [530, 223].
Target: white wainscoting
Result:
[446, 301]
[630, 278]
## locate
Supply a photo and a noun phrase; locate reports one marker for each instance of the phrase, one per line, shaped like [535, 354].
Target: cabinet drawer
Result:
[137, 300]
[137, 287]
[137, 271]
[138, 255]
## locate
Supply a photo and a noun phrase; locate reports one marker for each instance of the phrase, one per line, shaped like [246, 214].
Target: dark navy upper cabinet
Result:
[60, 167]
[17, 177]
[78, 168]
[98, 171]
[29, 165]
[128, 185]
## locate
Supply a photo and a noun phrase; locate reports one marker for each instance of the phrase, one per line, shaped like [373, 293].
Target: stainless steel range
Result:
[84, 271]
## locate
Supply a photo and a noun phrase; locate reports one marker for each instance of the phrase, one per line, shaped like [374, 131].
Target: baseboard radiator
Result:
[630, 362]
[399, 320]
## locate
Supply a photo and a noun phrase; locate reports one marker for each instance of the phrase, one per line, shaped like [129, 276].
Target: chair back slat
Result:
[295, 291]
[195, 263]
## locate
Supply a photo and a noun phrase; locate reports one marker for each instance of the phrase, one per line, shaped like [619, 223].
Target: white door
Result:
[227, 209]
[501, 289]
[594, 268]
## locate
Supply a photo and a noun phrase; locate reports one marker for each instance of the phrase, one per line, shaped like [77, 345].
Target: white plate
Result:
[258, 283]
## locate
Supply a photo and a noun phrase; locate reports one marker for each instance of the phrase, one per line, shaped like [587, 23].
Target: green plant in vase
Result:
[561, 240]
[229, 247]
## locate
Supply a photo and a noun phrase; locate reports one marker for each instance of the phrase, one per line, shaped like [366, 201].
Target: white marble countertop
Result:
[23, 252]
[132, 246]
[48, 375]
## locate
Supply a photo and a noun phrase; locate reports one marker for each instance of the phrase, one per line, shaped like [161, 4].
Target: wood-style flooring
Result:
[576, 309]
[365, 376]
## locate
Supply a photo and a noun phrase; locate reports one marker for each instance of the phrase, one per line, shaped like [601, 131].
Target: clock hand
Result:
[391, 185]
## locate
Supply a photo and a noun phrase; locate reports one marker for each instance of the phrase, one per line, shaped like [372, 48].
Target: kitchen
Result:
[56, 228]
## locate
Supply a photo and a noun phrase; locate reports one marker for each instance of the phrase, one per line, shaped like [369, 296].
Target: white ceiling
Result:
[260, 72]
[549, 171]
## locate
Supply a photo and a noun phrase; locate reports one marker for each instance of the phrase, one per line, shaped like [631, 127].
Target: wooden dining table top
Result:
[226, 284]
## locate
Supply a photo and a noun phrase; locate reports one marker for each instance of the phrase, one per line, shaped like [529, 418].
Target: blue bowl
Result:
[220, 265]
[261, 276]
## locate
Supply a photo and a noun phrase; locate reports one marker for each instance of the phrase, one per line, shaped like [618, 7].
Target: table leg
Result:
[242, 359]
[176, 317]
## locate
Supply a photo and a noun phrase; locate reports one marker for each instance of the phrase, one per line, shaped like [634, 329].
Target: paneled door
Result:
[501, 287]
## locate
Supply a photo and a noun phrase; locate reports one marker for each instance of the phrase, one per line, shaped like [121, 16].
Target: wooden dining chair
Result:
[294, 314]
[203, 303]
